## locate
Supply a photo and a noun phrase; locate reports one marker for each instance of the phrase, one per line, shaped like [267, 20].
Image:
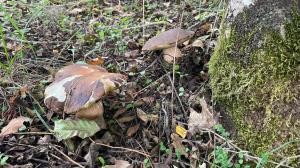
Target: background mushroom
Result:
[167, 41]
[79, 88]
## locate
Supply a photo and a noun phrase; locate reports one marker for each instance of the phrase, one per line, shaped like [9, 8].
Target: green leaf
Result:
[65, 129]
[3, 160]
[178, 154]
[101, 160]
[162, 147]
[147, 163]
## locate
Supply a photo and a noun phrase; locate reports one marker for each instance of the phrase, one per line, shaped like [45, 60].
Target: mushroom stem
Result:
[171, 53]
[94, 112]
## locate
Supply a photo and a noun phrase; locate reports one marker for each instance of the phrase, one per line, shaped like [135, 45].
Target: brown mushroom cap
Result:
[79, 86]
[167, 39]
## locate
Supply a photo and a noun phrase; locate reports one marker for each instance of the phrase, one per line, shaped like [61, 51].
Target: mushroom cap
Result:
[79, 86]
[167, 39]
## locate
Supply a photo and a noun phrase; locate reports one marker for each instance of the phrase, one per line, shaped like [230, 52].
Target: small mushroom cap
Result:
[167, 39]
[170, 53]
[79, 86]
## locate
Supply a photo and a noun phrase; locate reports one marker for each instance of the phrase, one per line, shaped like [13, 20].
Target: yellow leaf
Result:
[181, 131]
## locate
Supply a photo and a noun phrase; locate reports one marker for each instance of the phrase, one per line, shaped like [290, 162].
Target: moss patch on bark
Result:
[255, 74]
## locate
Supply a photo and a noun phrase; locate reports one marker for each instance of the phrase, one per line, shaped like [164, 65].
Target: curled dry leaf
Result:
[76, 11]
[126, 119]
[13, 126]
[177, 143]
[198, 121]
[146, 117]
[198, 43]
[132, 130]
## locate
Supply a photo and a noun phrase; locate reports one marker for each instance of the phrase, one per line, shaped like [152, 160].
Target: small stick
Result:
[66, 156]
[33, 133]
[122, 148]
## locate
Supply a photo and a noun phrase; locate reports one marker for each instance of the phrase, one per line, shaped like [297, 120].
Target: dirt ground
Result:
[39, 38]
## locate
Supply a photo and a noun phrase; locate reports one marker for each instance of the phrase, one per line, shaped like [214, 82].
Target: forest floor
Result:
[148, 119]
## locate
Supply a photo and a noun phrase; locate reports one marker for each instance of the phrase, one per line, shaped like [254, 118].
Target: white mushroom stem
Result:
[171, 53]
[94, 112]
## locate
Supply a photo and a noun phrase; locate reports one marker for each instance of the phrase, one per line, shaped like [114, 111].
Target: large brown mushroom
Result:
[168, 41]
[79, 88]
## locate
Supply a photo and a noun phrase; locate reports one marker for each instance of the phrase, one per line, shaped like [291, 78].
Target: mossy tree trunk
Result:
[255, 74]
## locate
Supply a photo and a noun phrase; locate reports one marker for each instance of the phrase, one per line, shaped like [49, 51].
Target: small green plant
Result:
[63, 22]
[3, 159]
[221, 130]
[17, 32]
[147, 163]
[181, 91]
[221, 158]
[163, 148]
[101, 161]
[240, 161]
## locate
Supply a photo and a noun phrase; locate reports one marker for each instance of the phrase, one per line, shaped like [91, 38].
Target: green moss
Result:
[261, 94]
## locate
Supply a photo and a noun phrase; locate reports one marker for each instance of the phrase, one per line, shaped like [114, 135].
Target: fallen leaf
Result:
[13, 126]
[132, 45]
[120, 164]
[198, 121]
[205, 28]
[96, 61]
[76, 11]
[65, 129]
[146, 117]
[23, 91]
[119, 8]
[198, 43]
[119, 112]
[181, 131]
[132, 130]
[177, 143]
[126, 119]
[186, 43]
[131, 54]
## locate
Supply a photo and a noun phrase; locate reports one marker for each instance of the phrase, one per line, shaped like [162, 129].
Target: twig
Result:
[33, 133]
[122, 148]
[178, 98]
[66, 156]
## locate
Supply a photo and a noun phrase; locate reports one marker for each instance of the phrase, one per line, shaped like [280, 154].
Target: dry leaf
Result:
[119, 112]
[146, 117]
[76, 11]
[13, 126]
[198, 121]
[119, 8]
[126, 119]
[198, 43]
[120, 164]
[132, 130]
[177, 143]
[181, 131]
[96, 61]
[186, 43]
[23, 91]
[131, 54]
